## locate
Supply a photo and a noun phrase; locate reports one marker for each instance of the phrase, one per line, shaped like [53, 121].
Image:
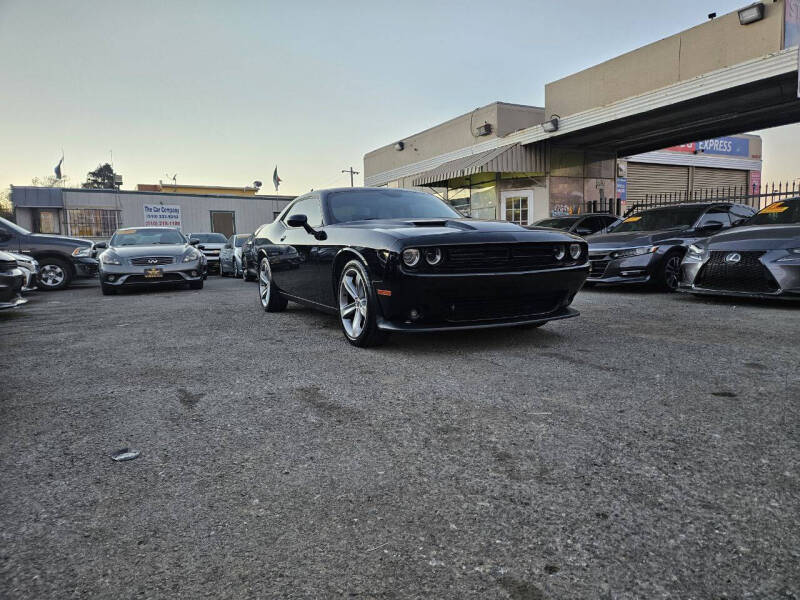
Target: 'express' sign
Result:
[729, 146]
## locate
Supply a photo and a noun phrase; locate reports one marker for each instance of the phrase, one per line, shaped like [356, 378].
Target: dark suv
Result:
[61, 259]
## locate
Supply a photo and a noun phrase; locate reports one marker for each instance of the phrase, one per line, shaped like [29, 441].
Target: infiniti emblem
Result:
[733, 257]
[154, 261]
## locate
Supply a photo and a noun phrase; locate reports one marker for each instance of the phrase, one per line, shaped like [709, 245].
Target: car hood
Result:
[71, 241]
[632, 239]
[437, 231]
[757, 237]
[155, 250]
[212, 245]
[20, 258]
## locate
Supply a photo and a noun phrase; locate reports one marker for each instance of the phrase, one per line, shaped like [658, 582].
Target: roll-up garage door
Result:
[717, 179]
[645, 178]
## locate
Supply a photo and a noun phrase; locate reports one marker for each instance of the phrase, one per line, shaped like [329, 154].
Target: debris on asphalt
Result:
[125, 454]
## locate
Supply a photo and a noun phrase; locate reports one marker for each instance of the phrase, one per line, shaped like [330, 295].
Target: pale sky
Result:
[221, 92]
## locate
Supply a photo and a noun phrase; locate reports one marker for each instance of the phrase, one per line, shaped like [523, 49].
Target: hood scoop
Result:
[442, 223]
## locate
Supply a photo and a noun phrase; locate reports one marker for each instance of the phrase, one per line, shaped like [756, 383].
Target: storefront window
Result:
[92, 222]
[483, 200]
[458, 198]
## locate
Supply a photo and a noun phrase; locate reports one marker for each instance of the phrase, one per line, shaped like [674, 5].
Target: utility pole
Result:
[350, 170]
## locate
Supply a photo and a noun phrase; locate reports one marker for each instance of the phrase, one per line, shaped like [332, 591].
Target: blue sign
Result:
[728, 146]
[622, 189]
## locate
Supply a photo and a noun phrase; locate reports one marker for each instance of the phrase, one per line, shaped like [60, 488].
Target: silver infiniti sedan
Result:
[149, 256]
[761, 259]
[29, 267]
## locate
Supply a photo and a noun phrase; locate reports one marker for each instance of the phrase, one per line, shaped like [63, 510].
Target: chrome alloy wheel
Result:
[52, 275]
[353, 303]
[672, 272]
[264, 282]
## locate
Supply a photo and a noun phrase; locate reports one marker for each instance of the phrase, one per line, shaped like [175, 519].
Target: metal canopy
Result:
[513, 158]
[37, 197]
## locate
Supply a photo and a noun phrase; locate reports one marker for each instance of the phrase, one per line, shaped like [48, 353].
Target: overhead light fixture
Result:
[751, 14]
[485, 129]
[399, 146]
[551, 125]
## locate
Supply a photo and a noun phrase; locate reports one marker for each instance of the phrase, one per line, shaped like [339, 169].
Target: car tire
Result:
[246, 273]
[270, 298]
[108, 290]
[669, 272]
[358, 307]
[54, 274]
[196, 285]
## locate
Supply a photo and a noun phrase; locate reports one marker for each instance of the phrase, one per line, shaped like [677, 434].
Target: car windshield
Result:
[562, 223]
[661, 218]
[784, 212]
[387, 204]
[146, 237]
[209, 238]
[239, 240]
[13, 226]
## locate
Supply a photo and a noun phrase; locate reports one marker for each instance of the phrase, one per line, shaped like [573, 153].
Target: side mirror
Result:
[302, 221]
[194, 242]
[710, 226]
[201, 247]
[100, 246]
[297, 221]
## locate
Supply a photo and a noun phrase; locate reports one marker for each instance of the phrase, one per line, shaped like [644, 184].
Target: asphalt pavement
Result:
[646, 449]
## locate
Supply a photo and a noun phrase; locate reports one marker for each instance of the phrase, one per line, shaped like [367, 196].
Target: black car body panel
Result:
[12, 280]
[583, 225]
[756, 261]
[493, 273]
[611, 255]
[43, 246]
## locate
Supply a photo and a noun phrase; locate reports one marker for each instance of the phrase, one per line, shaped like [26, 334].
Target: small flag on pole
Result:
[275, 179]
[57, 170]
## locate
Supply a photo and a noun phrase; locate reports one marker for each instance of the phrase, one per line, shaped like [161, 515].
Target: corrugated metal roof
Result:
[512, 158]
[37, 197]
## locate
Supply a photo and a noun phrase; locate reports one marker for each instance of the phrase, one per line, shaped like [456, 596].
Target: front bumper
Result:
[422, 302]
[772, 277]
[134, 275]
[11, 283]
[633, 269]
[31, 277]
[85, 267]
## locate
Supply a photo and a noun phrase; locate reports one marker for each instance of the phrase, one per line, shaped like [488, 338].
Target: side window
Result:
[609, 221]
[594, 224]
[310, 208]
[740, 213]
[716, 213]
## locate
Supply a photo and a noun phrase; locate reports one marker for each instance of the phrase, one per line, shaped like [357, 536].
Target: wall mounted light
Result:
[399, 146]
[551, 125]
[751, 14]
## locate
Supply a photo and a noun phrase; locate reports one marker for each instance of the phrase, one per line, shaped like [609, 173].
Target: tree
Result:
[6, 210]
[50, 181]
[103, 178]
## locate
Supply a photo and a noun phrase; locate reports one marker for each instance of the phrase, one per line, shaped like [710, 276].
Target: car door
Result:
[225, 254]
[311, 272]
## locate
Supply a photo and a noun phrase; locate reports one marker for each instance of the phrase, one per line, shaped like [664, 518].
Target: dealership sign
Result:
[162, 215]
[729, 146]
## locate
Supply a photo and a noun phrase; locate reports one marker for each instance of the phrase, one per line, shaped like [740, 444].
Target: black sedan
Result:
[583, 225]
[648, 246]
[389, 260]
[760, 260]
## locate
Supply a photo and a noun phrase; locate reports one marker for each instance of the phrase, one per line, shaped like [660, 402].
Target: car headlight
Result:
[82, 251]
[559, 252]
[191, 255]
[794, 254]
[696, 250]
[411, 257]
[110, 258]
[433, 256]
[574, 251]
[634, 251]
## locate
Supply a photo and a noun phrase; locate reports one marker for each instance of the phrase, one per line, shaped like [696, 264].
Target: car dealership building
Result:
[96, 213]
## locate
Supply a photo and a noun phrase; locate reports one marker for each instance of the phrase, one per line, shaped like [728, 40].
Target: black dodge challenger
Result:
[389, 260]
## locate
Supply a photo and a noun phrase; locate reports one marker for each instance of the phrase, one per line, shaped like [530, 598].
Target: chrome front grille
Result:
[147, 261]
